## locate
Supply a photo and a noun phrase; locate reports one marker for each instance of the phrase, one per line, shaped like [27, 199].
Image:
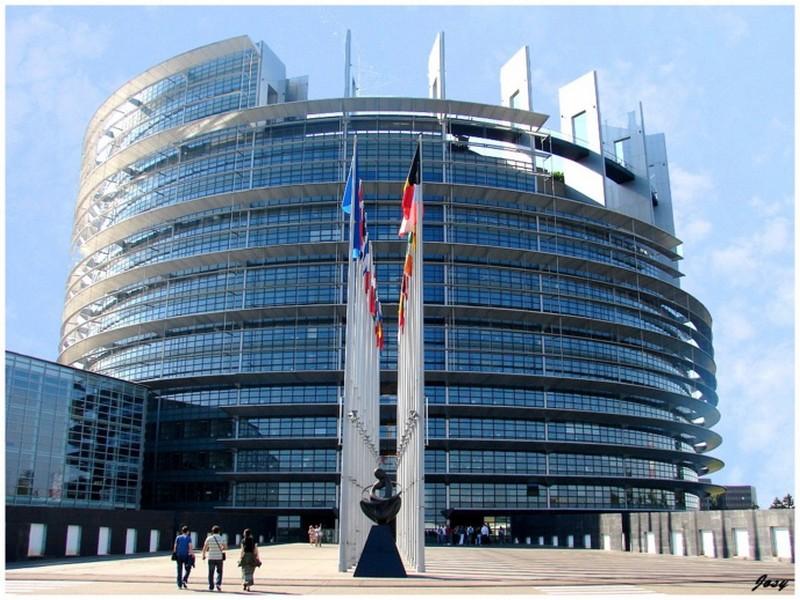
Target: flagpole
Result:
[361, 412]
[346, 513]
[345, 494]
[410, 375]
[419, 371]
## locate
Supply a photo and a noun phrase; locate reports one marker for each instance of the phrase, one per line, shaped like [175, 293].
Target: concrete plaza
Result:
[294, 569]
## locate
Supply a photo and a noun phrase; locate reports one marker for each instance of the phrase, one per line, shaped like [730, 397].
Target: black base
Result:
[380, 557]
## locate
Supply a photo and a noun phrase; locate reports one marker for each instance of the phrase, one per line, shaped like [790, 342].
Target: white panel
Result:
[570, 541]
[130, 541]
[36, 539]
[606, 541]
[73, 540]
[658, 169]
[707, 543]
[555, 540]
[781, 542]
[273, 75]
[194, 539]
[650, 542]
[515, 81]
[541, 540]
[103, 541]
[587, 541]
[677, 543]
[627, 146]
[155, 536]
[579, 98]
[436, 68]
[741, 543]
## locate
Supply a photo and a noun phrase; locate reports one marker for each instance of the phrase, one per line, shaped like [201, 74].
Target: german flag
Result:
[409, 204]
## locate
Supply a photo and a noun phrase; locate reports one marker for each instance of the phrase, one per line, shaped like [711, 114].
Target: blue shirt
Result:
[182, 543]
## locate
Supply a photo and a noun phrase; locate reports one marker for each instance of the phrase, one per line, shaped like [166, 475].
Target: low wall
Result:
[565, 530]
[154, 530]
[747, 534]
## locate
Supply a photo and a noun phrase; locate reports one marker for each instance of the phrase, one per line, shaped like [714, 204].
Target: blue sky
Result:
[717, 80]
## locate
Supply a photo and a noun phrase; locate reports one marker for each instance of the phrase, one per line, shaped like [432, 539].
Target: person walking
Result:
[319, 535]
[214, 546]
[248, 559]
[484, 535]
[184, 556]
[312, 535]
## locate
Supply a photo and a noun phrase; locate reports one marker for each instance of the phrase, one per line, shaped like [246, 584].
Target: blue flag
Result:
[352, 196]
[349, 187]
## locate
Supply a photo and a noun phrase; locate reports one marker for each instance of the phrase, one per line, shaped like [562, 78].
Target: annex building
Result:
[566, 371]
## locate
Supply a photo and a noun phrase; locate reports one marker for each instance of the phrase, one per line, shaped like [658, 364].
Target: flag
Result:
[347, 198]
[408, 202]
[410, 522]
[354, 194]
[360, 410]
[379, 327]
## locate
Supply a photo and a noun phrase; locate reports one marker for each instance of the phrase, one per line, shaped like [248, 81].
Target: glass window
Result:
[580, 128]
[619, 150]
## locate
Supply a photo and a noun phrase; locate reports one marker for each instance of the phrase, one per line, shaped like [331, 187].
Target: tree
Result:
[787, 502]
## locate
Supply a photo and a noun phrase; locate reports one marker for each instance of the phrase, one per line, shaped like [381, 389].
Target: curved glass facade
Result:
[565, 368]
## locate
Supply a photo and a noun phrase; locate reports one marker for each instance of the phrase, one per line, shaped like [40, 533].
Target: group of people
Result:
[315, 535]
[460, 535]
[214, 550]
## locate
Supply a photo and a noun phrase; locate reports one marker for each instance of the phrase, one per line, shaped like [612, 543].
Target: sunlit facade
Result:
[565, 368]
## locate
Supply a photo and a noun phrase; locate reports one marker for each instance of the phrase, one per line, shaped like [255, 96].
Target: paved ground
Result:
[295, 569]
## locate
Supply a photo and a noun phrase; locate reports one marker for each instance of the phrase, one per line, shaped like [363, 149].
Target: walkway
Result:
[301, 569]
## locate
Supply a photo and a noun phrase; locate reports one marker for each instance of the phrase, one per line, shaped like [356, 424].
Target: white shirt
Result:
[215, 545]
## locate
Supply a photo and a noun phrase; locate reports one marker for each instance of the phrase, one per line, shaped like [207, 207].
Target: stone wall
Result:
[154, 529]
[747, 534]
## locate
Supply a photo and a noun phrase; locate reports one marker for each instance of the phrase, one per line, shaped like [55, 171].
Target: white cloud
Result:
[733, 325]
[779, 310]
[688, 188]
[771, 209]
[775, 237]
[694, 231]
[691, 194]
[763, 255]
[44, 77]
[736, 262]
[734, 26]
[659, 86]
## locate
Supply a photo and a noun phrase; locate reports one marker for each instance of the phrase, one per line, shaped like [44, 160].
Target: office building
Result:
[73, 438]
[566, 370]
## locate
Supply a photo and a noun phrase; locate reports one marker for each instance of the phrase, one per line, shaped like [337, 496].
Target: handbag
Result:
[220, 547]
[174, 556]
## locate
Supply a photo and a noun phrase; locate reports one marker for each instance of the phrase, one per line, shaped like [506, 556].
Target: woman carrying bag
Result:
[248, 559]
